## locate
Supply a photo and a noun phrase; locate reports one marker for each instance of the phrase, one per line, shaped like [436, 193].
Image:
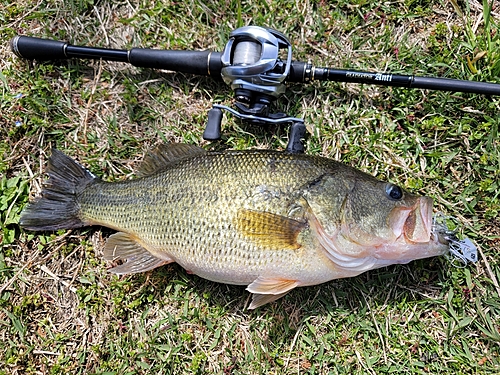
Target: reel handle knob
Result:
[296, 138]
[213, 129]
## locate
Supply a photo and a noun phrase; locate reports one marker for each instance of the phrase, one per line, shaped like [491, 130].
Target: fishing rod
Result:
[256, 62]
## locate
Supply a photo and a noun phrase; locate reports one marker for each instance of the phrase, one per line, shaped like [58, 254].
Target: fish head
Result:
[364, 223]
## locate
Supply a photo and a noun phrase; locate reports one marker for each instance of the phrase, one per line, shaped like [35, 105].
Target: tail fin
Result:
[57, 208]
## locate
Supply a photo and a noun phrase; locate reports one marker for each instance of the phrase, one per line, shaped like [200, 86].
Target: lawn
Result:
[61, 312]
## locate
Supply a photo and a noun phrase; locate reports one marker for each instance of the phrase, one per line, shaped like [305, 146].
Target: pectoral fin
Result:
[269, 230]
[268, 289]
[122, 246]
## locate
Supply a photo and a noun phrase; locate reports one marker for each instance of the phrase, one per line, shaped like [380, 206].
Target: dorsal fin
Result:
[165, 154]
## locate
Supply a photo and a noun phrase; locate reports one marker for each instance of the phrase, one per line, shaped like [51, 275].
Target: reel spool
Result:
[251, 64]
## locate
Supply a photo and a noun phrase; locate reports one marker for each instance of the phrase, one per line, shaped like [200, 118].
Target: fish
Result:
[269, 220]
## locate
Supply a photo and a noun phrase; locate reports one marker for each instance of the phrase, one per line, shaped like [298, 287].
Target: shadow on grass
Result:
[389, 285]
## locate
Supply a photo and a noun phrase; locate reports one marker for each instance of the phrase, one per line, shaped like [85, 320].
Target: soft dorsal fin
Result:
[269, 230]
[165, 154]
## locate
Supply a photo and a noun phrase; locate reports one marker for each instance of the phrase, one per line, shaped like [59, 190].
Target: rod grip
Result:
[28, 47]
[192, 62]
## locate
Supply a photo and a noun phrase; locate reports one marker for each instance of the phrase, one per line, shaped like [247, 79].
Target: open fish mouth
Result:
[413, 224]
[418, 224]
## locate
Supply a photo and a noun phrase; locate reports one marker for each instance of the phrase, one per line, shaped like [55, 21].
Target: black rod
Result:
[209, 63]
[304, 72]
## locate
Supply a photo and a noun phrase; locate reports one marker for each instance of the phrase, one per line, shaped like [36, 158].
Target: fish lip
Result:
[426, 213]
[397, 221]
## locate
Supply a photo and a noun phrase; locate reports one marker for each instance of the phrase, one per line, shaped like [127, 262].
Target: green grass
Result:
[62, 313]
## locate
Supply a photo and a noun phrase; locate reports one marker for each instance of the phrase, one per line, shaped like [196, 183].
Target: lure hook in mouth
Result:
[461, 251]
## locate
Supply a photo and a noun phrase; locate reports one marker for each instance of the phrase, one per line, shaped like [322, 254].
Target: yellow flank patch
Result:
[271, 231]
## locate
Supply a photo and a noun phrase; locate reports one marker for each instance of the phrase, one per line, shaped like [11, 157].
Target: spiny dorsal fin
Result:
[163, 155]
[122, 246]
[269, 230]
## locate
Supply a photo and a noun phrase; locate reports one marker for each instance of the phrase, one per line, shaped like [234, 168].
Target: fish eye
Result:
[393, 192]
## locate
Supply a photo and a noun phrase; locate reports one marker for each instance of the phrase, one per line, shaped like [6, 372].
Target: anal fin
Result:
[122, 246]
[269, 289]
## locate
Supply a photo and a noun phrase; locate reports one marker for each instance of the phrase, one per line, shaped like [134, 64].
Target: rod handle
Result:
[192, 62]
[28, 47]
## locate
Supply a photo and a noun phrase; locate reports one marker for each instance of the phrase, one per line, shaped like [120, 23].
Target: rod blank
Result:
[303, 72]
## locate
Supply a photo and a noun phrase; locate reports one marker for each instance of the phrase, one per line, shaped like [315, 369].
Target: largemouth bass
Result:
[270, 220]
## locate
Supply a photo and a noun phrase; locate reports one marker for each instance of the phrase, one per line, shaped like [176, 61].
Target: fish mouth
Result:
[414, 237]
[418, 224]
[413, 224]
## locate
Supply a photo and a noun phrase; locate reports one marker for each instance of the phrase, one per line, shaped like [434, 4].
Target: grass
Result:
[61, 312]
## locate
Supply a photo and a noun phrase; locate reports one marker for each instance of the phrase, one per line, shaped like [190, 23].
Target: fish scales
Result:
[270, 220]
[188, 210]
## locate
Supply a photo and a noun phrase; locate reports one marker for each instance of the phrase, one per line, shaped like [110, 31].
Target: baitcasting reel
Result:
[251, 65]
